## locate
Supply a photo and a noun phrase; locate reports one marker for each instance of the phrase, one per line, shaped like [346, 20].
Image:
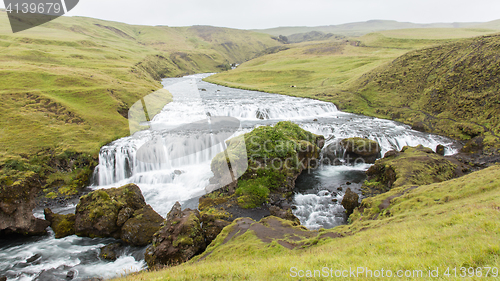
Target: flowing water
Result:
[167, 179]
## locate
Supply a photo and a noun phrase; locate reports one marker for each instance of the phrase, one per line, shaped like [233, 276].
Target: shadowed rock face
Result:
[350, 201]
[16, 204]
[140, 228]
[62, 225]
[366, 149]
[179, 239]
[119, 213]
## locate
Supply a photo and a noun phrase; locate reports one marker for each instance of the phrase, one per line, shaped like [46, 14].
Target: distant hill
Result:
[360, 28]
[488, 25]
[312, 36]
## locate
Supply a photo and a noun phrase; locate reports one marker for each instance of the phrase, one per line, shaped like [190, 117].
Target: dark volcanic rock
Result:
[16, 204]
[110, 251]
[350, 201]
[180, 238]
[62, 225]
[362, 149]
[139, 229]
[119, 213]
[440, 149]
[212, 227]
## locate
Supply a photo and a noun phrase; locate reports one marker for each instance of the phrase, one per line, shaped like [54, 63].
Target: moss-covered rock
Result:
[97, 212]
[263, 163]
[350, 201]
[62, 225]
[111, 251]
[119, 213]
[17, 200]
[361, 148]
[179, 239]
[139, 229]
[411, 166]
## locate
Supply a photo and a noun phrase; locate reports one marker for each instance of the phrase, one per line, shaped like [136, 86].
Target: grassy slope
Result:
[421, 229]
[68, 84]
[368, 78]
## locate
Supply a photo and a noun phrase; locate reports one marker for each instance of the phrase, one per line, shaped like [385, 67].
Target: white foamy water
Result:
[165, 178]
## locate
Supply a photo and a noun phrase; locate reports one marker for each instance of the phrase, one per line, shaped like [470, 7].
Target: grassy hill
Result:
[445, 86]
[67, 85]
[360, 28]
[416, 231]
[495, 25]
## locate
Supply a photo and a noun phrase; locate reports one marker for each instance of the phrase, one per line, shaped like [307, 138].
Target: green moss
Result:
[412, 166]
[183, 241]
[51, 195]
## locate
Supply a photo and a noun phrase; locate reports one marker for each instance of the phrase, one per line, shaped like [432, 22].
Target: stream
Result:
[316, 200]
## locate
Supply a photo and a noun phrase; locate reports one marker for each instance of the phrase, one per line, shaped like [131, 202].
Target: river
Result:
[184, 179]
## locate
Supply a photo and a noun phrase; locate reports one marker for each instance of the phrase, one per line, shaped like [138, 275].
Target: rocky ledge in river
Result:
[352, 150]
[411, 166]
[121, 213]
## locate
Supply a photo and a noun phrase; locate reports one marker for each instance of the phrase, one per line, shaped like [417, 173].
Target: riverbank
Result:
[421, 230]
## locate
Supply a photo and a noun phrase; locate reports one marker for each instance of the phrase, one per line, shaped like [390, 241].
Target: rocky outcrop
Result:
[350, 201]
[17, 200]
[263, 166]
[411, 166]
[362, 149]
[117, 212]
[179, 239]
[62, 225]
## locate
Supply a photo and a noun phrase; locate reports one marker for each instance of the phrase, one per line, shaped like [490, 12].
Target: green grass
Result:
[420, 230]
[68, 84]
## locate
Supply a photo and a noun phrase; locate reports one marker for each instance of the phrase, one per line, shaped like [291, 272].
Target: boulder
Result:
[121, 213]
[362, 149]
[62, 225]
[440, 149]
[17, 201]
[350, 201]
[179, 239]
[139, 229]
[110, 251]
